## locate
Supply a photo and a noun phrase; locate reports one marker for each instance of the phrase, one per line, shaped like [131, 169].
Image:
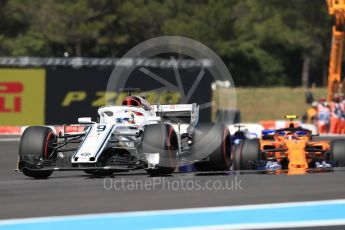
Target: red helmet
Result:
[132, 101]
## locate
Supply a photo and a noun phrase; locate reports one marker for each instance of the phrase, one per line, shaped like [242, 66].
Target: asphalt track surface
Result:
[67, 193]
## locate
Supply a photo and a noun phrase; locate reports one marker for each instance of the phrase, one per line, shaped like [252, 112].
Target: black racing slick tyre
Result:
[338, 152]
[33, 148]
[211, 144]
[246, 153]
[162, 139]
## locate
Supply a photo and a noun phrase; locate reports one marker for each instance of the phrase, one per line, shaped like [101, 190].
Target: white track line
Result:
[297, 224]
[173, 211]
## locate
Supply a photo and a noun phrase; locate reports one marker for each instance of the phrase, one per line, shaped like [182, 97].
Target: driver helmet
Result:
[125, 118]
[132, 101]
[291, 136]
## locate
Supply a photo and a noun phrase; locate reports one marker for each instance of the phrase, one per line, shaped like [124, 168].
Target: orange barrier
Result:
[277, 124]
[18, 130]
[10, 130]
[271, 124]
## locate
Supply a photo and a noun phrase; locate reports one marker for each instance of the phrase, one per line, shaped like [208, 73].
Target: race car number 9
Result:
[101, 128]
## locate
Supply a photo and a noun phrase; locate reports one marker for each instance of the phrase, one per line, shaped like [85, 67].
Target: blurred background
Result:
[56, 56]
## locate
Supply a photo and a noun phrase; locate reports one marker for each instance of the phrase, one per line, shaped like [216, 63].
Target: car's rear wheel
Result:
[162, 139]
[338, 152]
[34, 147]
[211, 143]
[245, 154]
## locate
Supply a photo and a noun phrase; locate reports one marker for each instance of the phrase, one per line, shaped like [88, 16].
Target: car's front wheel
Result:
[338, 152]
[35, 147]
[161, 139]
[246, 153]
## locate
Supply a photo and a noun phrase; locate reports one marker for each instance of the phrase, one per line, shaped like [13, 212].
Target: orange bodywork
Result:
[297, 151]
[336, 8]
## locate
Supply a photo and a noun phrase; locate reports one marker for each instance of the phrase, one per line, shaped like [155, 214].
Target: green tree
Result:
[289, 38]
[49, 27]
[263, 42]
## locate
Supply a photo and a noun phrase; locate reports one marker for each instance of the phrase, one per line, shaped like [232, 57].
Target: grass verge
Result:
[273, 103]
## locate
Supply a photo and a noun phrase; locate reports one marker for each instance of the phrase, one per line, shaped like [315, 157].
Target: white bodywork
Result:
[252, 130]
[126, 123]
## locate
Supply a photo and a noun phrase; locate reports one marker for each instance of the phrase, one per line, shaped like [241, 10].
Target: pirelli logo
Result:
[10, 98]
[22, 93]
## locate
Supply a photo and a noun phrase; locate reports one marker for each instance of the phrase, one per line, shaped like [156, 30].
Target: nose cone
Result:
[296, 154]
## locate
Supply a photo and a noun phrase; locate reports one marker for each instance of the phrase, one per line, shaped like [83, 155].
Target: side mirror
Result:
[153, 119]
[85, 120]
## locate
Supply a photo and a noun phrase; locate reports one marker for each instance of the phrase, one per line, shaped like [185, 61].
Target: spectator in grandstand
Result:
[337, 115]
[312, 113]
[323, 116]
[309, 96]
[342, 103]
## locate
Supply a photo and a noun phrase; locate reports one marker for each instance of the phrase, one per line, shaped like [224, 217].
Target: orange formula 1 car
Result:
[291, 148]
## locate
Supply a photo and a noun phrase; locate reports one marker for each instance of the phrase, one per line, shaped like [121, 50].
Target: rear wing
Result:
[180, 113]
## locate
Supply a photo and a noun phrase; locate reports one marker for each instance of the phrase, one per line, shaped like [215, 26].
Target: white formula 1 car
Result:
[135, 135]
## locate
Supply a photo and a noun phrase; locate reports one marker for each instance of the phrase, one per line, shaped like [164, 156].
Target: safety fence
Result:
[59, 95]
